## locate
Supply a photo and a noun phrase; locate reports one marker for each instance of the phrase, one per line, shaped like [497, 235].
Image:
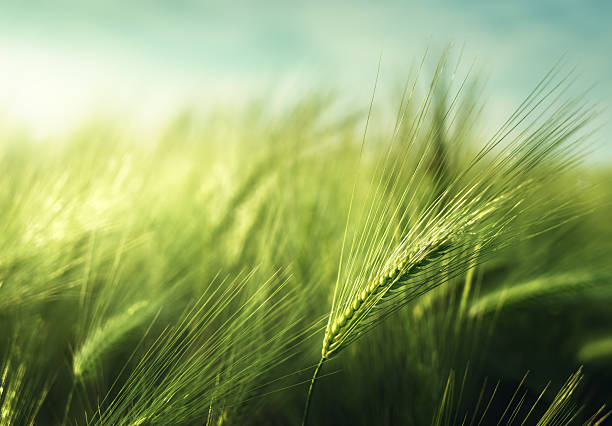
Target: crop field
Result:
[317, 265]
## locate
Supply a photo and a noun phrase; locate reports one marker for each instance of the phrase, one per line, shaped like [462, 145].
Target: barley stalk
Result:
[474, 209]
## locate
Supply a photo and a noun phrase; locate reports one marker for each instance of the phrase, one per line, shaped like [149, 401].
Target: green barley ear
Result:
[596, 350]
[23, 386]
[222, 347]
[475, 209]
[574, 286]
[104, 337]
[563, 409]
[401, 251]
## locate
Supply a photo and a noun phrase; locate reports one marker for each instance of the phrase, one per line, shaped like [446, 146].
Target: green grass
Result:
[202, 275]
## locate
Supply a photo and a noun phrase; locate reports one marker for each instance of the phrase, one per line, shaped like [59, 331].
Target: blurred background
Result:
[149, 148]
[65, 60]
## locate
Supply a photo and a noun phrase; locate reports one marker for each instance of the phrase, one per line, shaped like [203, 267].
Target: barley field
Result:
[316, 266]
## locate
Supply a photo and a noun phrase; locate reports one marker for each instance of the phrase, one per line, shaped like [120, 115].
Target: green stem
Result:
[68, 403]
[310, 389]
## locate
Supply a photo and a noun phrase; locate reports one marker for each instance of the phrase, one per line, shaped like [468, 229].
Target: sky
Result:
[62, 61]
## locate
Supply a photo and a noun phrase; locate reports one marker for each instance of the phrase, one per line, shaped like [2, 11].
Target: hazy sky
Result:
[61, 60]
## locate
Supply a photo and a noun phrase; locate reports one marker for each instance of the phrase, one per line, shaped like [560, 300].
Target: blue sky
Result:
[62, 60]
